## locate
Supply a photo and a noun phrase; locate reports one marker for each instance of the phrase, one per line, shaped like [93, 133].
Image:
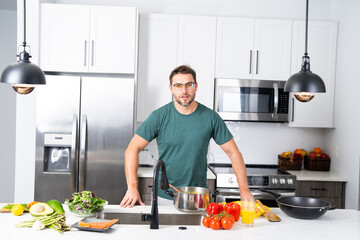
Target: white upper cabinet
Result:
[157, 57]
[196, 48]
[112, 39]
[80, 38]
[234, 47]
[253, 48]
[165, 42]
[272, 49]
[322, 42]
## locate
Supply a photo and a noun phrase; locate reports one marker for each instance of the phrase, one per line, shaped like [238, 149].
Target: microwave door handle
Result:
[276, 99]
[82, 160]
[74, 154]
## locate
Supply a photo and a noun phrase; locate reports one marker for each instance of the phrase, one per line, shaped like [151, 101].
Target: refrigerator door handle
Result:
[83, 141]
[74, 154]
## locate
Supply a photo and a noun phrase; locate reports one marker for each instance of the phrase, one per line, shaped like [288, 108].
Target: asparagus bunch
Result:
[54, 221]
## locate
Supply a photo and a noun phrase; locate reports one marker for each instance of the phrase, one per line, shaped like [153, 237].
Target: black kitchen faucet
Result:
[153, 218]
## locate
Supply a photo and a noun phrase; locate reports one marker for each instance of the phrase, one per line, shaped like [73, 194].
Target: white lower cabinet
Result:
[167, 41]
[322, 42]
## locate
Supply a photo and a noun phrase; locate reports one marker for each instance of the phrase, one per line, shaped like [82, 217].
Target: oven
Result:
[269, 177]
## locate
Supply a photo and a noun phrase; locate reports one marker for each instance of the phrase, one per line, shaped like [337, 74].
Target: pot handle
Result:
[214, 193]
[170, 193]
[330, 207]
[275, 194]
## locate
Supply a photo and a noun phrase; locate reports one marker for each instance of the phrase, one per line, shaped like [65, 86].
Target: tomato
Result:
[206, 221]
[213, 208]
[233, 209]
[215, 224]
[226, 223]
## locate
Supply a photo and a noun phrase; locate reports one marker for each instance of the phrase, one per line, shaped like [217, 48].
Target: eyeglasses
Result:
[179, 86]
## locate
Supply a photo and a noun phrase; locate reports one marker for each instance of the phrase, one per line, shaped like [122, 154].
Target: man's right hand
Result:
[130, 198]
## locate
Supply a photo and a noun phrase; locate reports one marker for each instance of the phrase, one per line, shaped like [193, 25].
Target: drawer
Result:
[337, 202]
[146, 198]
[144, 184]
[319, 189]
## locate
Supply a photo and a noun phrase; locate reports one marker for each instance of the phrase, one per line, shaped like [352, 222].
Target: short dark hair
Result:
[183, 69]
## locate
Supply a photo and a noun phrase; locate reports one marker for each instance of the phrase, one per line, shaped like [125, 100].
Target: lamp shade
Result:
[305, 81]
[23, 72]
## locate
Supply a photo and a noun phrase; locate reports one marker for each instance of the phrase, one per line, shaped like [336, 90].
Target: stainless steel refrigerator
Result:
[84, 125]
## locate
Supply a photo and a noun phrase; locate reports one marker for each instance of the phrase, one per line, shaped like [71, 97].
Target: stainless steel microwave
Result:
[251, 100]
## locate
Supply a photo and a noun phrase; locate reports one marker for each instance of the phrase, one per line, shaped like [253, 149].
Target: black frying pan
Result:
[301, 207]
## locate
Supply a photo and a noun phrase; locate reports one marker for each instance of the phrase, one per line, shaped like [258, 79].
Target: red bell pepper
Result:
[213, 208]
[233, 209]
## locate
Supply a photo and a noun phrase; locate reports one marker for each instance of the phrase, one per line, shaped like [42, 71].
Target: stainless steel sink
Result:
[164, 219]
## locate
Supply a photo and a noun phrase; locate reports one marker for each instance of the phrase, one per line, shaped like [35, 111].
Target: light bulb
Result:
[23, 88]
[304, 96]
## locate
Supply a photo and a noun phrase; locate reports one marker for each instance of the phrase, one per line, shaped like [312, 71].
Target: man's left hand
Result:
[246, 194]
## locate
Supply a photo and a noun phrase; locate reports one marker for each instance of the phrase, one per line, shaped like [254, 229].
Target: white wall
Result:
[7, 107]
[25, 110]
[249, 137]
[344, 139]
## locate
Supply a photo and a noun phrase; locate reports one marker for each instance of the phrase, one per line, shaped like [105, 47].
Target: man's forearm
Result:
[240, 171]
[131, 168]
[238, 166]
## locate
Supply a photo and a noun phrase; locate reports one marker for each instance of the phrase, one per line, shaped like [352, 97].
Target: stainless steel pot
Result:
[192, 199]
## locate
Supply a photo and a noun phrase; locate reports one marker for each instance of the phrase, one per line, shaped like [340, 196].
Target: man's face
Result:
[183, 89]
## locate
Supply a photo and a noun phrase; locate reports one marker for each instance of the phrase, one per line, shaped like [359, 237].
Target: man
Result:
[183, 129]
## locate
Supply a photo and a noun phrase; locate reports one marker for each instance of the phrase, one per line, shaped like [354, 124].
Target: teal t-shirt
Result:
[183, 142]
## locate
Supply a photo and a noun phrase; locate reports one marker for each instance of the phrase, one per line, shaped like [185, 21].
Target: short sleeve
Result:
[148, 129]
[221, 133]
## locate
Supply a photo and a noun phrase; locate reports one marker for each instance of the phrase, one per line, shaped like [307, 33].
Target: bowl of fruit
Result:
[85, 204]
[291, 160]
[317, 160]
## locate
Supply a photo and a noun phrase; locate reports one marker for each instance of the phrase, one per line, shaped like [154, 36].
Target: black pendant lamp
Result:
[305, 83]
[23, 75]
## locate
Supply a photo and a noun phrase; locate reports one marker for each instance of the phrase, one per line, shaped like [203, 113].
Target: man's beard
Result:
[178, 100]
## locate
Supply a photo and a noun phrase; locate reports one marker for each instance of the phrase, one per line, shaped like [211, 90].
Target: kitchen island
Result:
[335, 224]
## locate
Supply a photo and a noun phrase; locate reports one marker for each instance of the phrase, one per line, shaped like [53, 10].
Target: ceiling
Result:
[8, 5]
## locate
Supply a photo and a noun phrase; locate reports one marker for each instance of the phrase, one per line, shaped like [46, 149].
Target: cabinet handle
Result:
[257, 61]
[149, 186]
[318, 189]
[85, 52]
[92, 53]
[292, 110]
[250, 61]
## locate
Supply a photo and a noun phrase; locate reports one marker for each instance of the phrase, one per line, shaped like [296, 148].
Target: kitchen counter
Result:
[147, 172]
[335, 224]
[306, 175]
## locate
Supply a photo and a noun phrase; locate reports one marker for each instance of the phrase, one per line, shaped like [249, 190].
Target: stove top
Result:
[258, 175]
[251, 169]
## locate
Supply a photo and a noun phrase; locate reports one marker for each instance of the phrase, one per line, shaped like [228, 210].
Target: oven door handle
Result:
[276, 100]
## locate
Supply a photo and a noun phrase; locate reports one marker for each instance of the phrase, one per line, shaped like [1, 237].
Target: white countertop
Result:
[306, 175]
[147, 172]
[335, 224]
